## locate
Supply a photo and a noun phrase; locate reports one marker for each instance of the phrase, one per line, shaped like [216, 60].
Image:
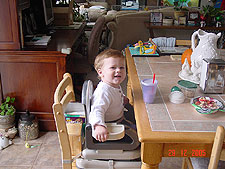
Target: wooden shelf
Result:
[186, 27]
[152, 26]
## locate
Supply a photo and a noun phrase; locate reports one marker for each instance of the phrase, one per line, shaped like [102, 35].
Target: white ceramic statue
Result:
[186, 72]
[4, 142]
[206, 48]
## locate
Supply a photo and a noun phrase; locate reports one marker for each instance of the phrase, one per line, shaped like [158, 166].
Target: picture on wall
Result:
[156, 17]
[193, 16]
[184, 3]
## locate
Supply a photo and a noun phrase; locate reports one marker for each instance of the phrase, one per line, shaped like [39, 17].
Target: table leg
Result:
[149, 166]
[151, 155]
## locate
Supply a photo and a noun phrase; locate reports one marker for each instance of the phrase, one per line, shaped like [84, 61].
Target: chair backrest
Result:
[64, 94]
[94, 39]
[87, 92]
[218, 153]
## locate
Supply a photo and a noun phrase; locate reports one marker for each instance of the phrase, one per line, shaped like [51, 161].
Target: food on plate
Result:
[206, 102]
[207, 105]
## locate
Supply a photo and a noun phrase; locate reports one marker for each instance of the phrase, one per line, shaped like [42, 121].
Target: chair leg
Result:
[187, 163]
[184, 164]
[67, 166]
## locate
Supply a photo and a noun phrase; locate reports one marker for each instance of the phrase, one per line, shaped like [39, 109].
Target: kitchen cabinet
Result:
[31, 74]
[9, 30]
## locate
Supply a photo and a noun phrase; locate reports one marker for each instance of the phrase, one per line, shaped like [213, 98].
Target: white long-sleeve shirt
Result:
[107, 104]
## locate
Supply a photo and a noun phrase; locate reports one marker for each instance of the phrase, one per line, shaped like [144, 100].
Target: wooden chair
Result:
[69, 134]
[218, 153]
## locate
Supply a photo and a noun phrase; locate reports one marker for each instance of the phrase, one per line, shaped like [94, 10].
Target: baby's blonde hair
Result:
[108, 53]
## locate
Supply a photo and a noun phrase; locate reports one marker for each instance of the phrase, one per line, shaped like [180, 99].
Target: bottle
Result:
[28, 126]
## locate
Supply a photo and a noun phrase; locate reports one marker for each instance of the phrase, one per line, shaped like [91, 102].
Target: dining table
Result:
[166, 129]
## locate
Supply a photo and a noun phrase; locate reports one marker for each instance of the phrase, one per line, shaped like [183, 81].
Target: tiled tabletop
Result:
[167, 116]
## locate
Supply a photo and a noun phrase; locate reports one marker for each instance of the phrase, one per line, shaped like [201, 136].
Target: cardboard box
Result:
[75, 113]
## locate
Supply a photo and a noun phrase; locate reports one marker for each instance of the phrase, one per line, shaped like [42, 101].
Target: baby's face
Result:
[113, 71]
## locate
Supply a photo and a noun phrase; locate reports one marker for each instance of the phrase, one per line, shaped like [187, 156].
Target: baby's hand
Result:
[101, 133]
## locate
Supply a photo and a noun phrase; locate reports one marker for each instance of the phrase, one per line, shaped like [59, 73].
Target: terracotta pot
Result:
[7, 121]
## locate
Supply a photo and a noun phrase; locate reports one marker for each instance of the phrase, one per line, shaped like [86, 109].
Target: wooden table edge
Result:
[145, 133]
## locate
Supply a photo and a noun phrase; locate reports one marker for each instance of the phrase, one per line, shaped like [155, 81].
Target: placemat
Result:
[135, 53]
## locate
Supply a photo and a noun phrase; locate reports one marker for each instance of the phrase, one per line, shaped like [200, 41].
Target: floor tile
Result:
[39, 140]
[171, 163]
[49, 155]
[51, 138]
[18, 155]
[15, 167]
[45, 167]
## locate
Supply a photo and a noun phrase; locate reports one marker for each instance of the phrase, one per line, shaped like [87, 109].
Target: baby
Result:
[108, 99]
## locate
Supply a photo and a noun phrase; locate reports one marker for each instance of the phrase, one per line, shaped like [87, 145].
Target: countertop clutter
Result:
[166, 116]
[166, 129]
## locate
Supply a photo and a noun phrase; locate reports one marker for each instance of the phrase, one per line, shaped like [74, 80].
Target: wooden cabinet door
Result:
[32, 77]
[9, 31]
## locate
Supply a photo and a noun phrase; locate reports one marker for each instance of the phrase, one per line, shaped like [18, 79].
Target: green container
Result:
[188, 88]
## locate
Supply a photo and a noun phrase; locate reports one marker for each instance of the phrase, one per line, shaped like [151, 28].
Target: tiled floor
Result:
[46, 155]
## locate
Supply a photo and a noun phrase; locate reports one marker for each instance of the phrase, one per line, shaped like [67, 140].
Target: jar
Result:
[188, 88]
[28, 126]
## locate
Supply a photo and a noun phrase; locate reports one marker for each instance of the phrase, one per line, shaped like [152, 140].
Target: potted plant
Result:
[211, 14]
[7, 113]
[180, 8]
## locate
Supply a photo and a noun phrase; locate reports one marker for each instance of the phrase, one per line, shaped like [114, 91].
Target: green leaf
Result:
[3, 112]
[11, 113]
[6, 107]
[2, 106]
[7, 99]
[7, 113]
[13, 100]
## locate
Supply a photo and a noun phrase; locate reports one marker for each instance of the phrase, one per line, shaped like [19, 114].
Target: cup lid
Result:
[187, 84]
[147, 82]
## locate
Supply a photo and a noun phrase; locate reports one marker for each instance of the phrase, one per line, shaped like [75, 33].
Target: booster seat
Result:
[117, 152]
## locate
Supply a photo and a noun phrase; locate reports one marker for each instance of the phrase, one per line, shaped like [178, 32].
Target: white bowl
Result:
[176, 97]
[116, 131]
